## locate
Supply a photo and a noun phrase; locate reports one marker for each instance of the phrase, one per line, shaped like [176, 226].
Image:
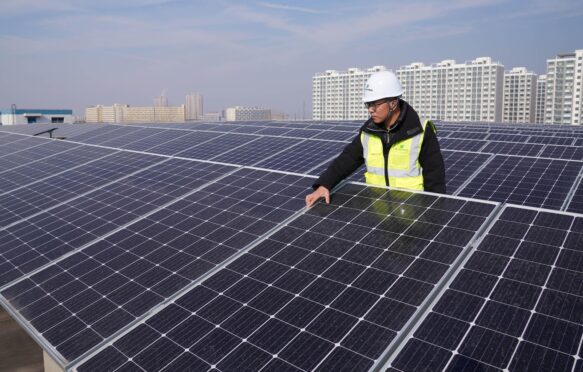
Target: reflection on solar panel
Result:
[515, 305]
[331, 290]
[524, 181]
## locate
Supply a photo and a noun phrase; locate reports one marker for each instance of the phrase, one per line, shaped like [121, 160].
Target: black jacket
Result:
[408, 125]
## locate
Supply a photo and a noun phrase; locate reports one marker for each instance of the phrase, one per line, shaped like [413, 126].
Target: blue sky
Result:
[75, 53]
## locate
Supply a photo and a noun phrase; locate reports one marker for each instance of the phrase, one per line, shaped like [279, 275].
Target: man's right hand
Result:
[321, 192]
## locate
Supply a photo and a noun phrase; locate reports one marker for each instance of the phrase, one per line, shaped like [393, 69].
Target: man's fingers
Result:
[327, 197]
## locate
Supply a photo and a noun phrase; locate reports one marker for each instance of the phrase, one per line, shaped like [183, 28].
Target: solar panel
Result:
[461, 144]
[505, 137]
[331, 290]
[466, 134]
[20, 151]
[460, 167]
[275, 131]
[184, 140]
[216, 146]
[562, 152]
[576, 202]
[516, 304]
[512, 148]
[306, 154]
[525, 181]
[48, 165]
[563, 141]
[34, 242]
[106, 286]
[257, 150]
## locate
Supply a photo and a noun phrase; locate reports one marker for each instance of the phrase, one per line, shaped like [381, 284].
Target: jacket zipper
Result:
[387, 138]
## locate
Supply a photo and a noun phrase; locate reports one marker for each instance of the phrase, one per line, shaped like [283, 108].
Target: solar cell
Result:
[185, 140]
[331, 289]
[549, 140]
[306, 154]
[525, 181]
[505, 137]
[575, 204]
[514, 306]
[109, 284]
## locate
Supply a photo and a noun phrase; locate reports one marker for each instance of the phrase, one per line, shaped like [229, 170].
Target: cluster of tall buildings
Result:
[477, 90]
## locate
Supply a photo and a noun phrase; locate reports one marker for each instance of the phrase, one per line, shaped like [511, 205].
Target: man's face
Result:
[378, 110]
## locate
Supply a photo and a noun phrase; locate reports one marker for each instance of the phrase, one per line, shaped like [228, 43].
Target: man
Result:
[398, 149]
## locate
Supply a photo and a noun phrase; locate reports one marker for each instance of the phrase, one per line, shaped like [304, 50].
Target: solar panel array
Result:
[188, 246]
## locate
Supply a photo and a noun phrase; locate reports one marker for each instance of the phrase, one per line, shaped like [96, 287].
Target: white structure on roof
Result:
[519, 96]
[337, 95]
[564, 88]
[470, 91]
[541, 89]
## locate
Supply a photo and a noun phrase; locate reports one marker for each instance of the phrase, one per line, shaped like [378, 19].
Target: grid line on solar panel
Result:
[524, 180]
[136, 134]
[103, 134]
[284, 286]
[164, 251]
[516, 304]
[47, 167]
[550, 140]
[306, 154]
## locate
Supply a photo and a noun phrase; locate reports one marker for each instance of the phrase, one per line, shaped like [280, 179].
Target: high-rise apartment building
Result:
[337, 95]
[240, 113]
[470, 91]
[564, 88]
[519, 96]
[541, 89]
[161, 101]
[194, 106]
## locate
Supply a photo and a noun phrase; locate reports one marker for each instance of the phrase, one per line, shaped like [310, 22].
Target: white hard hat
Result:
[383, 84]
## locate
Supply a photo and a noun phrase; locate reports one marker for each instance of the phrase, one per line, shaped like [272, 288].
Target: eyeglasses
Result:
[375, 104]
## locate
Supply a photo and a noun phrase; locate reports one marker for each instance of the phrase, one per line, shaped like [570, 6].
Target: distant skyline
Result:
[72, 54]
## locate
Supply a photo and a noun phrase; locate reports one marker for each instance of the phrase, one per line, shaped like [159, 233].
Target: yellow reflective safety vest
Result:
[402, 167]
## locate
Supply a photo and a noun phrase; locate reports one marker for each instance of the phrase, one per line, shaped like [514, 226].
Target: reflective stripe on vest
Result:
[403, 164]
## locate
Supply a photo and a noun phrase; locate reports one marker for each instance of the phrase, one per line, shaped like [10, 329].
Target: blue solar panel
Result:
[515, 305]
[258, 150]
[512, 148]
[216, 146]
[305, 156]
[183, 141]
[32, 243]
[461, 144]
[330, 290]
[525, 181]
[460, 167]
[562, 152]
